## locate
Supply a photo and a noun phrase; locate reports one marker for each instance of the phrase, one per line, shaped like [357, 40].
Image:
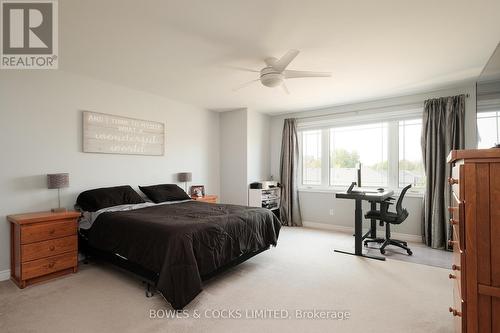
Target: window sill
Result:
[333, 190]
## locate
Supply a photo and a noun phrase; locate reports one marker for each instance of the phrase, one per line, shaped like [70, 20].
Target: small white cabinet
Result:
[266, 198]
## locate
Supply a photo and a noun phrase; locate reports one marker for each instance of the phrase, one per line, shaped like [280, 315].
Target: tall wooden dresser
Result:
[475, 218]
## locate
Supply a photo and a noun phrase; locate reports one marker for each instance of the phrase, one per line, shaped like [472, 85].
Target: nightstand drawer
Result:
[48, 230]
[48, 248]
[210, 198]
[48, 265]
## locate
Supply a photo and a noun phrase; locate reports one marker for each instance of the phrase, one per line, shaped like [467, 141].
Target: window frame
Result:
[392, 153]
[301, 161]
[480, 115]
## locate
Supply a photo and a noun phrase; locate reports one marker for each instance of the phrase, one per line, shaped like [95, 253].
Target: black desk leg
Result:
[373, 223]
[358, 228]
[358, 237]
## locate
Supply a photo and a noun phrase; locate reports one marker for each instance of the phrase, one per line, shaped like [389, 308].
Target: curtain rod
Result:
[361, 110]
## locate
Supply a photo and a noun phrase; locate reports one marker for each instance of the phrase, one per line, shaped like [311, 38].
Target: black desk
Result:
[373, 198]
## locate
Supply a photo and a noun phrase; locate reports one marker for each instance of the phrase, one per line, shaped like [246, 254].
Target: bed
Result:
[178, 244]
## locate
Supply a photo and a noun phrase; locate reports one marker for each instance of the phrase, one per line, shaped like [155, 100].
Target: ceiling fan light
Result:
[272, 80]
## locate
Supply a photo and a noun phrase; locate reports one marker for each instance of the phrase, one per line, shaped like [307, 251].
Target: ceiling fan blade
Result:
[290, 74]
[285, 88]
[245, 84]
[243, 69]
[281, 64]
[271, 61]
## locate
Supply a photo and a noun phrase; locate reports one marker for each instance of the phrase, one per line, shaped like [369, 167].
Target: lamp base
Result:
[58, 210]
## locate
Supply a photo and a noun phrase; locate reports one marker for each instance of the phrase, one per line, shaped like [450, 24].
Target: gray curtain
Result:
[289, 164]
[442, 131]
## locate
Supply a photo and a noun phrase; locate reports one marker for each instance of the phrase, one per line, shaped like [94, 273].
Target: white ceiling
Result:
[186, 49]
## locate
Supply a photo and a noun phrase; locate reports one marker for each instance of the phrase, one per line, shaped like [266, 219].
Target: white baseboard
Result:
[341, 228]
[5, 275]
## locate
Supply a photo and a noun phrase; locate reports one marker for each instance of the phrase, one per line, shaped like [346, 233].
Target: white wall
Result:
[233, 157]
[258, 138]
[244, 147]
[41, 132]
[316, 205]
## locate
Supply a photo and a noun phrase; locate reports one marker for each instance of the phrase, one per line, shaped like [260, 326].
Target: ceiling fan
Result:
[275, 72]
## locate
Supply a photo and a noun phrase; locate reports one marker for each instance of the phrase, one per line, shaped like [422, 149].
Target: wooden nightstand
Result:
[43, 246]
[207, 198]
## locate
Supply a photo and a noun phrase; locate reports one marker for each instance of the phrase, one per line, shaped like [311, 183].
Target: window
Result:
[488, 124]
[365, 144]
[311, 157]
[411, 166]
[389, 153]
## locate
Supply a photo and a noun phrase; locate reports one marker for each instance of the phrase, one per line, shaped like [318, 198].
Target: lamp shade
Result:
[57, 180]
[184, 176]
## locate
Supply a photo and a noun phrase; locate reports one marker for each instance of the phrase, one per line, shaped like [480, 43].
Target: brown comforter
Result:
[184, 241]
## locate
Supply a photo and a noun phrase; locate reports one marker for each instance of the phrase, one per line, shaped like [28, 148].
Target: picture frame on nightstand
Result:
[197, 191]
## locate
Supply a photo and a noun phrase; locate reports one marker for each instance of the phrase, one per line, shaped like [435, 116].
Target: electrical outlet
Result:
[331, 211]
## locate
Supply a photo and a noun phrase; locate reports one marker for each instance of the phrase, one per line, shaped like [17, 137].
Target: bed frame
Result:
[148, 277]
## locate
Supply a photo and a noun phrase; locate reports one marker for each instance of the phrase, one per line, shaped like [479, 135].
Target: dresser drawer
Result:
[458, 310]
[48, 230]
[457, 221]
[455, 275]
[455, 199]
[456, 237]
[455, 242]
[48, 248]
[455, 180]
[457, 270]
[35, 268]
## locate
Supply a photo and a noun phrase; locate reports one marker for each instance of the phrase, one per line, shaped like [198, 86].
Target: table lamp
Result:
[185, 177]
[58, 181]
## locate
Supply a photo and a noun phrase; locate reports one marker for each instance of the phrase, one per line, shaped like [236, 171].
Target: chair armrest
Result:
[384, 207]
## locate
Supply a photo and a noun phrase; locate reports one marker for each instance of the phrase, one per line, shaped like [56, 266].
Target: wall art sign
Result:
[110, 134]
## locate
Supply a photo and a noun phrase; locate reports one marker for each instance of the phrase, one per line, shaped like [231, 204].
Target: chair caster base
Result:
[374, 240]
[149, 289]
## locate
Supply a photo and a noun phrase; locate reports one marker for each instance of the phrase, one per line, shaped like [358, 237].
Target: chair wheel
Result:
[382, 251]
[409, 252]
[149, 294]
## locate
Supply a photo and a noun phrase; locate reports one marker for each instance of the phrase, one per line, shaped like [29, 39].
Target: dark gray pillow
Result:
[164, 192]
[93, 200]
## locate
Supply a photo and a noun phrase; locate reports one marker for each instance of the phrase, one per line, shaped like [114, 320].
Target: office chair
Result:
[383, 215]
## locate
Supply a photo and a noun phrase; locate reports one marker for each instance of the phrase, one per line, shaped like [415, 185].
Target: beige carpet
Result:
[301, 273]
